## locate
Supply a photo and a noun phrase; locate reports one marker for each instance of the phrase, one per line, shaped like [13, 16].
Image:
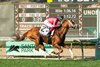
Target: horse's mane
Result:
[61, 23]
[58, 29]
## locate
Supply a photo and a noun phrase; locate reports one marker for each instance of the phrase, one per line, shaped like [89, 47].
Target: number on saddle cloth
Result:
[44, 30]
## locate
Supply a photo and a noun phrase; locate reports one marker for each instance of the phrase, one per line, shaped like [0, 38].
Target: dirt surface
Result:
[76, 53]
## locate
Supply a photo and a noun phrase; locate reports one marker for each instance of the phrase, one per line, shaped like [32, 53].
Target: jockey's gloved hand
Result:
[49, 34]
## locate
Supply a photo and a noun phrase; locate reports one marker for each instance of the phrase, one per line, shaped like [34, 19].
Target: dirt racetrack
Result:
[76, 53]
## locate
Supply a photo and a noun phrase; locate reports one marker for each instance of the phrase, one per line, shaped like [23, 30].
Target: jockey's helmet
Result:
[60, 17]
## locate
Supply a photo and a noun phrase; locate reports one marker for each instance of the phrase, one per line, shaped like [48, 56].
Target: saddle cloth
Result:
[44, 30]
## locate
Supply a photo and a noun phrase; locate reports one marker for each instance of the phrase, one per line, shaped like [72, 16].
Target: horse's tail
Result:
[20, 38]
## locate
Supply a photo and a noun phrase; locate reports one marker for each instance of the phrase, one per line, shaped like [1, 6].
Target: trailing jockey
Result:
[47, 29]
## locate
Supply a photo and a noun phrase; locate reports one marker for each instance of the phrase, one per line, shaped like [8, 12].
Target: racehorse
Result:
[57, 39]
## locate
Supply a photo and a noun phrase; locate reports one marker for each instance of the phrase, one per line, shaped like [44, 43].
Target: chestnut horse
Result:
[57, 39]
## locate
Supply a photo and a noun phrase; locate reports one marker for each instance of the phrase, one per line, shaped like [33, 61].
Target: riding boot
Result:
[49, 37]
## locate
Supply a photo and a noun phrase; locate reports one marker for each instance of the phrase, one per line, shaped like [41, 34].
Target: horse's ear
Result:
[69, 18]
[63, 20]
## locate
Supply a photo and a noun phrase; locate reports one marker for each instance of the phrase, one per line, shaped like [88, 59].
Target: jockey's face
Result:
[59, 23]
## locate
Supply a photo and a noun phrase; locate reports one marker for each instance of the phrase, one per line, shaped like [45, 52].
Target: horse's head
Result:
[69, 23]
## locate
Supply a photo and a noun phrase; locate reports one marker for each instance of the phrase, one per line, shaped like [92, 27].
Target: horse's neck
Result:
[62, 31]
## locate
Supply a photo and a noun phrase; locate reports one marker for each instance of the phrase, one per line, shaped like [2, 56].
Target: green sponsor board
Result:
[97, 52]
[89, 12]
[26, 48]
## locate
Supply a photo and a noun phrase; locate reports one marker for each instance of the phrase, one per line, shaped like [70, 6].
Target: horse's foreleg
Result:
[60, 50]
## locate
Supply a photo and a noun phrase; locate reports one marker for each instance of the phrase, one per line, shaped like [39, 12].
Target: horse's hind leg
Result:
[36, 42]
[42, 46]
[44, 50]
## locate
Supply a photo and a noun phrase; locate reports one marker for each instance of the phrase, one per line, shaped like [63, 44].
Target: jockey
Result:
[52, 23]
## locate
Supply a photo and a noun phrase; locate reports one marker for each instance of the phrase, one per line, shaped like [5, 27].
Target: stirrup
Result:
[49, 40]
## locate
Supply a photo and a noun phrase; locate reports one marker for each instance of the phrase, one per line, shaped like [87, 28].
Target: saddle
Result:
[45, 31]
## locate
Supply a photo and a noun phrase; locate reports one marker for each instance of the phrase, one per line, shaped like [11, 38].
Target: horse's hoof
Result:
[61, 51]
[45, 56]
[37, 49]
[52, 54]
